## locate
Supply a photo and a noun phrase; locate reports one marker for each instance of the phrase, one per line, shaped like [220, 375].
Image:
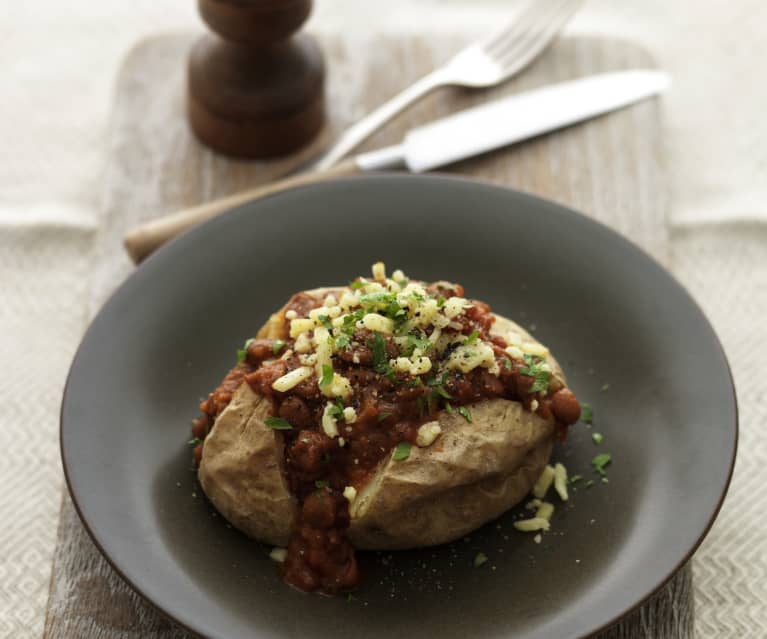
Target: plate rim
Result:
[436, 178]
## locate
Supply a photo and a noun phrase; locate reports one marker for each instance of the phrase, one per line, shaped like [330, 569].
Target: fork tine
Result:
[518, 52]
[552, 15]
[513, 29]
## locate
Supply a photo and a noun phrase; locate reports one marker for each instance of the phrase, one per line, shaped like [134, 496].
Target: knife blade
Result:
[513, 119]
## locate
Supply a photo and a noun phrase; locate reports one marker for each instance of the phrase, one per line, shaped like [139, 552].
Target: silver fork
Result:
[483, 64]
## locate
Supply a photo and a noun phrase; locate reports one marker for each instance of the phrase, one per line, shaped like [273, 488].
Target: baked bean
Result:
[200, 427]
[259, 350]
[307, 451]
[565, 406]
[296, 412]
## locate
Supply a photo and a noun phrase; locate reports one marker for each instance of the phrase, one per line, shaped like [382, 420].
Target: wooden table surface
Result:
[610, 168]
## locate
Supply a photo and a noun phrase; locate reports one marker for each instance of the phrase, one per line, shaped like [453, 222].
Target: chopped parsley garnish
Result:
[471, 338]
[439, 390]
[534, 368]
[278, 346]
[383, 416]
[194, 441]
[434, 381]
[326, 321]
[413, 342]
[342, 341]
[320, 483]
[385, 303]
[441, 301]
[380, 359]
[605, 388]
[575, 478]
[350, 321]
[597, 438]
[464, 412]
[337, 409]
[278, 423]
[589, 483]
[424, 406]
[600, 461]
[402, 452]
[356, 284]
[507, 363]
[448, 408]
[480, 559]
[416, 381]
[587, 413]
[605, 480]
[327, 375]
[242, 353]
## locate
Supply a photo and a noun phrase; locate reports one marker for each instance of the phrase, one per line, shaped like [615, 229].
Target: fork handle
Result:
[359, 132]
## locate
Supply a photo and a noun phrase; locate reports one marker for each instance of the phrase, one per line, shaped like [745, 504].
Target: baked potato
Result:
[333, 434]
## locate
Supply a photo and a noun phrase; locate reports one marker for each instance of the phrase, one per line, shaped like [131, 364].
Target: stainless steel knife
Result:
[450, 139]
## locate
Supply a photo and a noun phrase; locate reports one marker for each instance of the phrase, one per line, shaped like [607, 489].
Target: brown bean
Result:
[319, 509]
[295, 410]
[259, 350]
[307, 451]
[261, 380]
[200, 427]
[565, 406]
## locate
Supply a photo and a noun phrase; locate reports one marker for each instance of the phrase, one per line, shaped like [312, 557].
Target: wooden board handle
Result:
[143, 240]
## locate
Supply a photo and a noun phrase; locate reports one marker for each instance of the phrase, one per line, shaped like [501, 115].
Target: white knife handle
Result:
[359, 132]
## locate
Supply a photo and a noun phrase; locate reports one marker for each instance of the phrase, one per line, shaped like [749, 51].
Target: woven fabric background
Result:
[725, 268]
[44, 275]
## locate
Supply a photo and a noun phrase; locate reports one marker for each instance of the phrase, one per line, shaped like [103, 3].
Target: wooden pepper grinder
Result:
[258, 92]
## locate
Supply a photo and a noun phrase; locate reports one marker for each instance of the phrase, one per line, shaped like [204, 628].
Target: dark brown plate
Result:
[609, 313]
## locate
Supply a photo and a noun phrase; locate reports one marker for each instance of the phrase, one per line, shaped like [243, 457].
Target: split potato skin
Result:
[471, 474]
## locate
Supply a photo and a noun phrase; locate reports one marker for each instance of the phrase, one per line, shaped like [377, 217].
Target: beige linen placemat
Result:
[609, 168]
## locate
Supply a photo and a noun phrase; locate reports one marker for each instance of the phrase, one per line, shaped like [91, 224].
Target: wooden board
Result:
[609, 168]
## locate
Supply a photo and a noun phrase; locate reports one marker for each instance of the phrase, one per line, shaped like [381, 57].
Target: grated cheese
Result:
[427, 434]
[454, 306]
[533, 348]
[350, 492]
[339, 387]
[292, 379]
[301, 325]
[379, 271]
[329, 423]
[545, 511]
[303, 343]
[560, 481]
[467, 357]
[543, 484]
[377, 323]
[278, 554]
[533, 524]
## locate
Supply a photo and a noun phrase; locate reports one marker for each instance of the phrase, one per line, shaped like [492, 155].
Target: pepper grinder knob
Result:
[256, 90]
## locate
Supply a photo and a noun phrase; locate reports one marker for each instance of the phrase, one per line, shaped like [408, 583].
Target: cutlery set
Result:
[456, 137]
